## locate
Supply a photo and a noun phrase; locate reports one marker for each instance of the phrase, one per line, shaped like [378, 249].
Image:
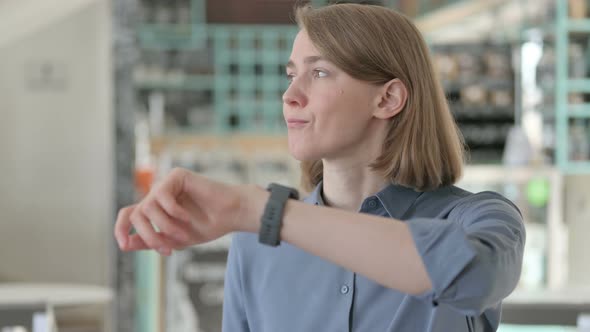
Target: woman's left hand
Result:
[184, 209]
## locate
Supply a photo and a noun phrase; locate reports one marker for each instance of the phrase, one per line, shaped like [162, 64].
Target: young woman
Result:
[385, 242]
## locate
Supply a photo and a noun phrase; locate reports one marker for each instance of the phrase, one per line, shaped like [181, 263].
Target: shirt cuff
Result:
[445, 251]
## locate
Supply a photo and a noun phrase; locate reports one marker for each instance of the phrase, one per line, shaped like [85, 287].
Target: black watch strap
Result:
[272, 218]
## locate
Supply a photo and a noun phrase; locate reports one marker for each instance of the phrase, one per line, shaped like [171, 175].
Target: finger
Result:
[123, 226]
[146, 231]
[172, 208]
[165, 251]
[165, 223]
[137, 243]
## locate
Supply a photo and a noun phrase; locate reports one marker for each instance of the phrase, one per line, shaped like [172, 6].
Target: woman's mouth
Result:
[296, 123]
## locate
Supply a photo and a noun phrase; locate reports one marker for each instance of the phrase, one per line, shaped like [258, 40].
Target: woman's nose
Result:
[294, 97]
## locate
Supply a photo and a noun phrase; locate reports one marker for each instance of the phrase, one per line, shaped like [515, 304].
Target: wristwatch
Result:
[272, 218]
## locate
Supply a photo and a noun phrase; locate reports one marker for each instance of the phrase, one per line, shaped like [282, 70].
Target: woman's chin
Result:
[298, 156]
[302, 154]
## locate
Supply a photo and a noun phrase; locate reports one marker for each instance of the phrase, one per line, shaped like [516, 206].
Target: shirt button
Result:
[344, 289]
[372, 203]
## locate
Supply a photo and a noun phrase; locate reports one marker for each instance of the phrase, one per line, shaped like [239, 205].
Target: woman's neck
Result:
[348, 178]
[346, 186]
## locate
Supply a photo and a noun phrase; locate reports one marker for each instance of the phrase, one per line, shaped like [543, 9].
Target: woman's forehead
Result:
[304, 51]
[302, 41]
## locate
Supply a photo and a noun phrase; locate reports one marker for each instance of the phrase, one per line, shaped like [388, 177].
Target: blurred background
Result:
[100, 98]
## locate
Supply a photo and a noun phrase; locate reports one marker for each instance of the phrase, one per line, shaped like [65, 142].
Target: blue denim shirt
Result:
[471, 246]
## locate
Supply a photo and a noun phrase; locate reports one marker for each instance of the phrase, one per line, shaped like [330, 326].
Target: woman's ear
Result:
[393, 96]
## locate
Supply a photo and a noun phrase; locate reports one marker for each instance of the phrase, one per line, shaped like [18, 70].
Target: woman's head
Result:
[362, 76]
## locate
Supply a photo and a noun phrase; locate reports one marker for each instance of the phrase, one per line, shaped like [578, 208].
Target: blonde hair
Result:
[423, 148]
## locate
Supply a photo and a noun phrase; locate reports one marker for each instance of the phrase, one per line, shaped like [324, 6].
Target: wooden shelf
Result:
[188, 83]
[239, 142]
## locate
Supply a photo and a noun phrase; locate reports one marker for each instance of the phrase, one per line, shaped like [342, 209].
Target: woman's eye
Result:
[319, 73]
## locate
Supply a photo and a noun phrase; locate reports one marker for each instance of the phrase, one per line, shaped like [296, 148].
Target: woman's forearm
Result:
[378, 248]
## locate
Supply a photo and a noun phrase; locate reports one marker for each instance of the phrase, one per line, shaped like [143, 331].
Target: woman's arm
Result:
[470, 260]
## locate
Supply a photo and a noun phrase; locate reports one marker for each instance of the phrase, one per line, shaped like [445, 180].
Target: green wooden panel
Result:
[577, 167]
[221, 81]
[579, 25]
[579, 111]
[255, 73]
[564, 86]
[147, 284]
[578, 85]
[561, 75]
[198, 11]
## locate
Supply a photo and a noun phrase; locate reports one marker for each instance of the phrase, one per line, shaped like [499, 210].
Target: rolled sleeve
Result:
[474, 256]
[444, 250]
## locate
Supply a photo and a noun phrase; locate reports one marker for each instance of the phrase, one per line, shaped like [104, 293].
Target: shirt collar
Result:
[396, 199]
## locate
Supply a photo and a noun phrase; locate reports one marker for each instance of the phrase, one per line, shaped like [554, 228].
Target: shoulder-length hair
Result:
[423, 148]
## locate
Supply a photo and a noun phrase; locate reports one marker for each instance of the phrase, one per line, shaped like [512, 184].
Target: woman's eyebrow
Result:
[307, 60]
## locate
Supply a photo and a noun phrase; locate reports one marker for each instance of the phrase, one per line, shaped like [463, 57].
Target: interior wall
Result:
[56, 162]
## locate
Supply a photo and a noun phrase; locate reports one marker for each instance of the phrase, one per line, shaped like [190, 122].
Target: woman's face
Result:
[328, 113]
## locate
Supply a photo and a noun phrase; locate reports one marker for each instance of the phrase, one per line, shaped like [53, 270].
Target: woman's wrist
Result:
[252, 200]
